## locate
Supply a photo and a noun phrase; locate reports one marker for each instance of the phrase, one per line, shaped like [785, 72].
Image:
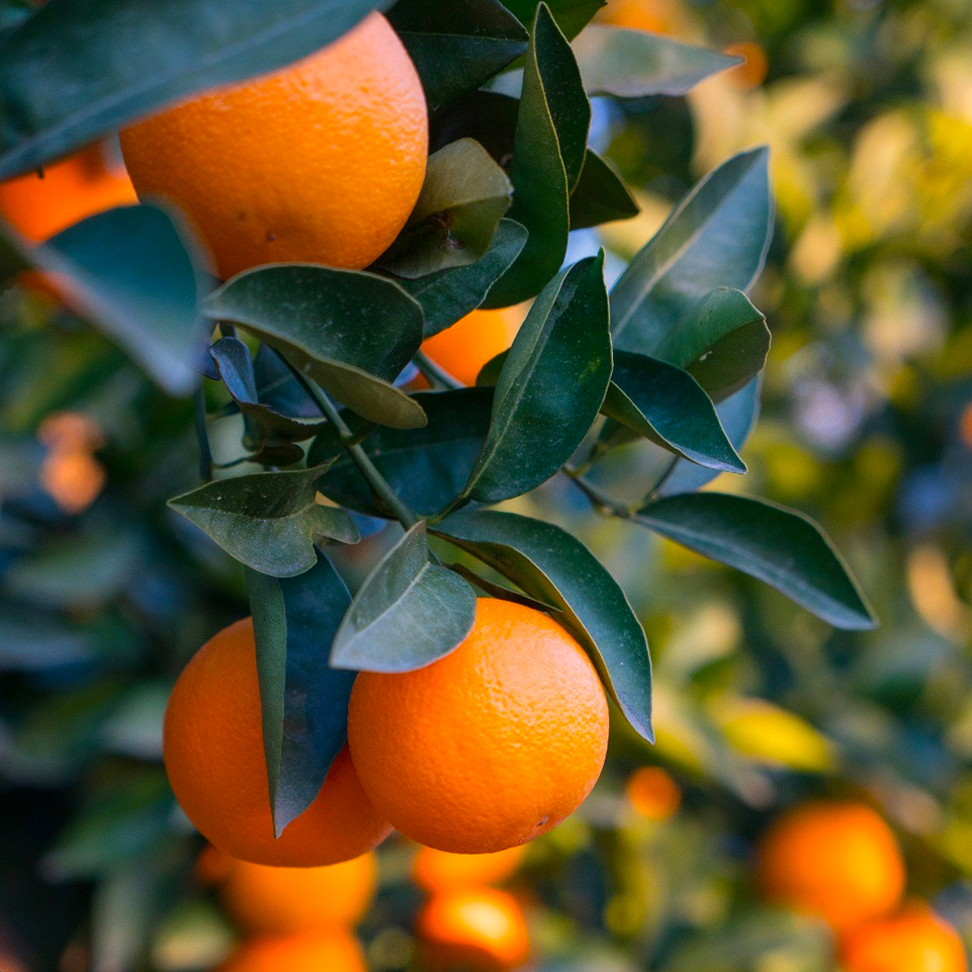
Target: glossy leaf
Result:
[408, 613]
[782, 547]
[267, 521]
[571, 15]
[486, 116]
[551, 386]
[352, 332]
[76, 70]
[457, 47]
[600, 196]
[718, 236]
[552, 566]
[303, 700]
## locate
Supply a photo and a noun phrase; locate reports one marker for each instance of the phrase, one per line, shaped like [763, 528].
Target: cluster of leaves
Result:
[671, 355]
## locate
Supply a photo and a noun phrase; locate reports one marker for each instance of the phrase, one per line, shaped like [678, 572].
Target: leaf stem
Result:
[202, 434]
[662, 479]
[603, 502]
[434, 374]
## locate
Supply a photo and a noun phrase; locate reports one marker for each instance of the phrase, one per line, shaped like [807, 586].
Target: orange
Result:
[478, 929]
[436, 870]
[320, 162]
[653, 793]
[40, 205]
[914, 940]
[213, 751]
[464, 348]
[658, 16]
[334, 950]
[839, 861]
[489, 746]
[278, 900]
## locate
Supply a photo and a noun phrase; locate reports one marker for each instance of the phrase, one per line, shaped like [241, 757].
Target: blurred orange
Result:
[334, 950]
[435, 870]
[474, 929]
[464, 348]
[70, 474]
[837, 860]
[70, 431]
[965, 425]
[653, 793]
[752, 72]
[658, 16]
[914, 940]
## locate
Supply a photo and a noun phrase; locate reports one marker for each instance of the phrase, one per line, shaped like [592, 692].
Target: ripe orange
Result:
[490, 746]
[320, 162]
[280, 900]
[436, 870]
[479, 929]
[914, 940]
[464, 348]
[836, 860]
[658, 16]
[653, 793]
[334, 950]
[40, 205]
[213, 750]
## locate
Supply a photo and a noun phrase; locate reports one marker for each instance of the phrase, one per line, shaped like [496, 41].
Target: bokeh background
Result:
[866, 425]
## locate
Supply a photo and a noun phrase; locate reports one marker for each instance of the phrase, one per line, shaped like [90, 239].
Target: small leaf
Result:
[352, 332]
[571, 15]
[551, 386]
[637, 64]
[457, 47]
[408, 612]
[552, 566]
[782, 547]
[464, 197]
[267, 521]
[666, 405]
[600, 196]
[304, 701]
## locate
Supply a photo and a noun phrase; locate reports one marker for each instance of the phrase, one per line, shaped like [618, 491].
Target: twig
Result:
[202, 434]
[434, 374]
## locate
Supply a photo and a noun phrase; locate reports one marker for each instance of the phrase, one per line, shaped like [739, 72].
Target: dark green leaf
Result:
[637, 64]
[486, 116]
[502, 592]
[571, 15]
[268, 521]
[600, 196]
[352, 332]
[304, 701]
[408, 613]
[464, 197]
[554, 567]
[75, 71]
[718, 236]
[551, 386]
[457, 46]
[782, 547]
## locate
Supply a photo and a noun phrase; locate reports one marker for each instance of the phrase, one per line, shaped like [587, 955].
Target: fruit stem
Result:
[202, 434]
[434, 374]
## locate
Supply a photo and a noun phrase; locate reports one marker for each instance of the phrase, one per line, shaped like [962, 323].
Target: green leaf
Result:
[303, 700]
[782, 547]
[548, 155]
[486, 116]
[571, 15]
[666, 405]
[637, 64]
[502, 592]
[552, 566]
[718, 236]
[267, 521]
[427, 468]
[74, 71]
[457, 47]
[351, 332]
[464, 197]
[600, 196]
[551, 386]
[449, 295]
[408, 612]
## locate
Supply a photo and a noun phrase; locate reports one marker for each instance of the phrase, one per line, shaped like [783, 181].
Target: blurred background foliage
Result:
[866, 425]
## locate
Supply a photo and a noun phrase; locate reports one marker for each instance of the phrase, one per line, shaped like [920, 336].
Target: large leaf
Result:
[457, 46]
[779, 546]
[548, 156]
[666, 405]
[351, 332]
[636, 64]
[267, 521]
[304, 701]
[552, 566]
[718, 236]
[600, 196]
[408, 613]
[427, 468]
[571, 15]
[486, 116]
[551, 387]
[80, 68]
[464, 197]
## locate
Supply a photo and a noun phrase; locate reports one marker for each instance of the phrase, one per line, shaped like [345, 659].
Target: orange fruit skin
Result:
[914, 940]
[435, 870]
[334, 950]
[320, 162]
[489, 746]
[839, 861]
[470, 343]
[214, 757]
[479, 929]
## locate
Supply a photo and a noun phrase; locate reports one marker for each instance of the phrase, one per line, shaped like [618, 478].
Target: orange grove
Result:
[214, 756]
[435, 870]
[333, 950]
[470, 343]
[653, 793]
